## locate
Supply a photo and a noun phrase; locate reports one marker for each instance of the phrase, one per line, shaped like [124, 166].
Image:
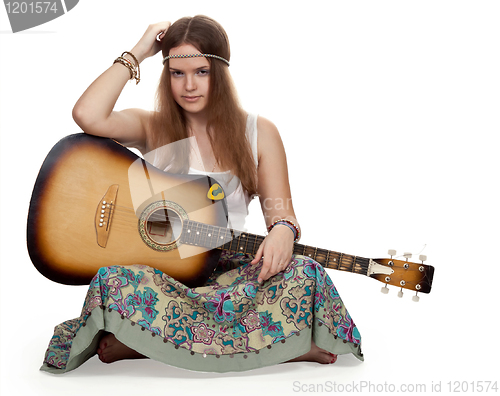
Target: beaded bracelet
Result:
[290, 224]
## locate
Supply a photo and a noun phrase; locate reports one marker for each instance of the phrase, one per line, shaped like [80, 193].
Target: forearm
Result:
[95, 106]
[275, 209]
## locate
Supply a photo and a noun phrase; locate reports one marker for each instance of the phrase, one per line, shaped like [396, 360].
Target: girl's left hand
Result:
[275, 252]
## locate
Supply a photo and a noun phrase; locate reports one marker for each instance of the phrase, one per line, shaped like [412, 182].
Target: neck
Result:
[215, 237]
[197, 123]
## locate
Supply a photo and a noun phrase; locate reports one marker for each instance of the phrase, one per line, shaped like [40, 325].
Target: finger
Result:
[265, 271]
[276, 266]
[258, 255]
[160, 35]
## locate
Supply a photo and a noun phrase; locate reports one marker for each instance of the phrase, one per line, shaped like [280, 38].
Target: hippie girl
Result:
[255, 310]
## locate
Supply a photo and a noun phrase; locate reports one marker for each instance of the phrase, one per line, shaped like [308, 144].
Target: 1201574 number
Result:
[33, 7]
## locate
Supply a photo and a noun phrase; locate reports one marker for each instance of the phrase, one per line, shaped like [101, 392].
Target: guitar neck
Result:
[214, 237]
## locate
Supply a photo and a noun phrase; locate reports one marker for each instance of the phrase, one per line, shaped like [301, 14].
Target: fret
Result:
[212, 238]
[224, 239]
[239, 247]
[199, 234]
[203, 236]
[217, 238]
[232, 240]
[257, 240]
[194, 233]
[244, 250]
[228, 240]
[347, 262]
[336, 260]
[306, 251]
[254, 245]
[321, 256]
[186, 232]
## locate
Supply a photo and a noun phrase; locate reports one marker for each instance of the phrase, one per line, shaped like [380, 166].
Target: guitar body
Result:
[97, 204]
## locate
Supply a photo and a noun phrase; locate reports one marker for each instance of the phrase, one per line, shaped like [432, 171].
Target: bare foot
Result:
[110, 350]
[316, 354]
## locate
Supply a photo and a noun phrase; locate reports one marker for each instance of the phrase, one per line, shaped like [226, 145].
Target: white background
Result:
[389, 112]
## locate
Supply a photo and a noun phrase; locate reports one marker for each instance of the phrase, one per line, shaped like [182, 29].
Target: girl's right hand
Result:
[148, 45]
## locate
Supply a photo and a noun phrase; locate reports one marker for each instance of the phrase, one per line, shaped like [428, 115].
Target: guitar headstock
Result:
[402, 273]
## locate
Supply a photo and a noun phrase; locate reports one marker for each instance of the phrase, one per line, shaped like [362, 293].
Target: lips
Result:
[191, 98]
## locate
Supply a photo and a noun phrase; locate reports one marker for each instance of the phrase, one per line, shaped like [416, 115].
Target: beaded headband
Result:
[196, 56]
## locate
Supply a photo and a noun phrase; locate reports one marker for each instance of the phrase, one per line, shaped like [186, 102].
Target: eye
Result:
[176, 73]
[204, 72]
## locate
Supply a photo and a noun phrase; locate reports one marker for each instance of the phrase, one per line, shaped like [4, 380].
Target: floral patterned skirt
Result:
[233, 323]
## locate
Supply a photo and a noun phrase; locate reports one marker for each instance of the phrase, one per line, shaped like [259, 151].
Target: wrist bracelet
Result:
[134, 70]
[138, 75]
[127, 64]
[290, 224]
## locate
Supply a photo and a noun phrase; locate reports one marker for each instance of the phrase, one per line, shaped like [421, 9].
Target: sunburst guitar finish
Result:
[95, 204]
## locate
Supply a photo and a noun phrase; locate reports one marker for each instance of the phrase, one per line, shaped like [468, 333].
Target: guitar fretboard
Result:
[214, 237]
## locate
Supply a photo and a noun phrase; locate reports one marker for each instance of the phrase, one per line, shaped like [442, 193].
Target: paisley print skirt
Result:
[233, 323]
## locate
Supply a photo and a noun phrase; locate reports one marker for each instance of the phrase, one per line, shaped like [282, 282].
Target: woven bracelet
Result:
[290, 224]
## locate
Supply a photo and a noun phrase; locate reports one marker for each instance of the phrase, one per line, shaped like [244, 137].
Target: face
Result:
[190, 79]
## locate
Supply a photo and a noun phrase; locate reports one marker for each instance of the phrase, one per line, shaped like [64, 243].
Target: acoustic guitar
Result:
[95, 203]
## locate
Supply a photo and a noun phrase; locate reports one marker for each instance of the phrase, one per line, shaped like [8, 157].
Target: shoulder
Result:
[266, 127]
[269, 139]
[268, 133]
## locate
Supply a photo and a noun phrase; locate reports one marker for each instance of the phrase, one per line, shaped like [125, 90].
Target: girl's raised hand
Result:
[149, 44]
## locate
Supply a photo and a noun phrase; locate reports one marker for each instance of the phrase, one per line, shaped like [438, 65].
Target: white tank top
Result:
[237, 198]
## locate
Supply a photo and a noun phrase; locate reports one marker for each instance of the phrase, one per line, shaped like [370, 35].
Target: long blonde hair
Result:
[226, 119]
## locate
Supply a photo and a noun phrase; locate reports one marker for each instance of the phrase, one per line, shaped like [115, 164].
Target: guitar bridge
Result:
[104, 214]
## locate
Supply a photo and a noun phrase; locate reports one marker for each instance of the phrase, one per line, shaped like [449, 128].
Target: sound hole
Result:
[163, 226]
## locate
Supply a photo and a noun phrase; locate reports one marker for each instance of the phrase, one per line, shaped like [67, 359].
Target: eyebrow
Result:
[197, 69]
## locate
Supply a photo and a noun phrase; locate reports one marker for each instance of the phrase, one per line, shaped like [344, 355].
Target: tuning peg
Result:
[422, 257]
[407, 255]
[391, 252]
[416, 298]
[400, 293]
[385, 289]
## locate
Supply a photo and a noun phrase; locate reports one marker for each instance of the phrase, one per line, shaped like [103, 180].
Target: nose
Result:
[190, 83]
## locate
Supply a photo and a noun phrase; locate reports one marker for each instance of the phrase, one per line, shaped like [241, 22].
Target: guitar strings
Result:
[124, 215]
[123, 212]
[346, 262]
